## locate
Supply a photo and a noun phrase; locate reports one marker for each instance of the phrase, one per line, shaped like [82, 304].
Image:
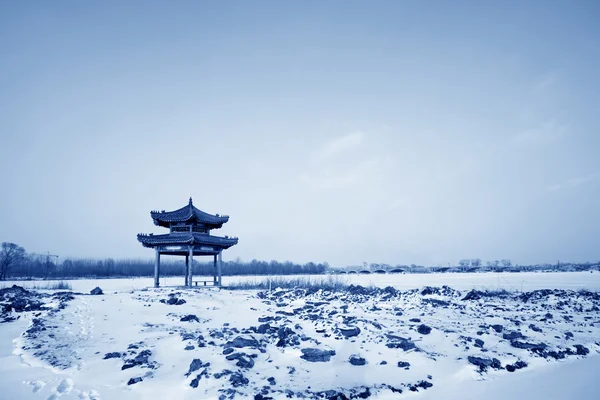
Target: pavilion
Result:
[189, 236]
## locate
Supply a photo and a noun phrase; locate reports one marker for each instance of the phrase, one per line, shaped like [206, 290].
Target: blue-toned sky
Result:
[342, 131]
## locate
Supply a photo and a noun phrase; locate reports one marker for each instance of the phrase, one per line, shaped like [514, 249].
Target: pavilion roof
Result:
[188, 213]
[186, 238]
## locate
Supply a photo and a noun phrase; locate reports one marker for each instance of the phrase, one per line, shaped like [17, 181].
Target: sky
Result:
[391, 132]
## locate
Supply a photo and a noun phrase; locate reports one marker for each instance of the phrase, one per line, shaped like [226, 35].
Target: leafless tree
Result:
[10, 254]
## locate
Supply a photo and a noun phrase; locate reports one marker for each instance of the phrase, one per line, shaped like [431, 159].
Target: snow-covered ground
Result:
[130, 343]
[523, 281]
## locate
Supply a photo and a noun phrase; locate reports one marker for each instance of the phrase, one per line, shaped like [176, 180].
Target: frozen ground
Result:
[524, 281]
[130, 343]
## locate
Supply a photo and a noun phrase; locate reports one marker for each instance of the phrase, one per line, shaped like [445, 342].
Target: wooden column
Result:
[191, 265]
[187, 263]
[156, 267]
[219, 264]
[215, 270]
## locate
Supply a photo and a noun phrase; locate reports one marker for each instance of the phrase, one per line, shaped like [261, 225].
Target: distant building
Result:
[189, 236]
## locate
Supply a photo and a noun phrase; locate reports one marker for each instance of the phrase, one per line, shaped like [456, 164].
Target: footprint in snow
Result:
[91, 395]
[64, 387]
[37, 385]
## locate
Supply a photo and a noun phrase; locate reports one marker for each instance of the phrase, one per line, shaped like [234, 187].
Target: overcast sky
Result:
[399, 132]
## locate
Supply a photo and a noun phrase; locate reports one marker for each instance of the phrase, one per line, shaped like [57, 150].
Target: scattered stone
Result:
[350, 332]
[512, 335]
[497, 327]
[189, 318]
[135, 380]
[581, 350]
[241, 341]
[355, 359]
[317, 355]
[114, 354]
[96, 291]
[403, 364]
[243, 360]
[424, 329]
[484, 363]
[237, 379]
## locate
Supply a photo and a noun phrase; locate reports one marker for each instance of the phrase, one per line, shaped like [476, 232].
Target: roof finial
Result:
[190, 200]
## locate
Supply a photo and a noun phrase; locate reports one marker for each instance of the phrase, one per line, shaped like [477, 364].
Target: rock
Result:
[535, 328]
[473, 295]
[264, 328]
[189, 318]
[404, 344]
[512, 335]
[243, 360]
[581, 350]
[195, 366]
[271, 381]
[424, 329]
[133, 381]
[142, 358]
[414, 320]
[228, 350]
[194, 383]
[350, 332]
[189, 347]
[383, 362]
[484, 363]
[403, 364]
[317, 355]
[536, 347]
[237, 379]
[497, 327]
[97, 291]
[114, 354]
[241, 341]
[355, 359]
[479, 343]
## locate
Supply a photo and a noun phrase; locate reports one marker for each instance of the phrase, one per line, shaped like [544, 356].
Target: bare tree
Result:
[9, 255]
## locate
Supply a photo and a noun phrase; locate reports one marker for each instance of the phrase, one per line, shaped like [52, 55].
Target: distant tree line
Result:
[16, 263]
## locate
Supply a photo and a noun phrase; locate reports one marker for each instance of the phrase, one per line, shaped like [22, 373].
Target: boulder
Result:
[355, 359]
[97, 291]
[189, 318]
[243, 341]
[317, 355]
[403, 364]
[349, 332]
[424, 329]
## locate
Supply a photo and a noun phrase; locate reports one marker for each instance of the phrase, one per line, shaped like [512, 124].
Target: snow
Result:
[130, 314]
[522, 281]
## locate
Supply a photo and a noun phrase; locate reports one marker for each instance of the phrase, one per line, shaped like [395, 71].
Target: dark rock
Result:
[133, 381]
[228, 350]
[189, 318]
[114, 354]
[243, 360]
[96, 291]
[473, 295]
[189, 347]
[404, 344]
[194, 383]
[484, 363]
[317, 355]
[536, 347]
[196, 365]
[357, 360]
[350, 332]
[581, 350]
[414, 320]
[240, 342]
[424, 329]
[271, 381]
[236, 379]
[264, 328]
[512, 335]
[383, 362]
[479, 343]
[403, 364]
[497, 327]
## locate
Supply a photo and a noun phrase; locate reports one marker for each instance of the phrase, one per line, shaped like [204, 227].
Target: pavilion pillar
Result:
[156, 267]
[215, 270]
[191, 257]
[187, 263]
[219, 265]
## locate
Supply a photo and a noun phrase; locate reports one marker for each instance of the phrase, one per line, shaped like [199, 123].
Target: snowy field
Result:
[524, 281]
[413, 342]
